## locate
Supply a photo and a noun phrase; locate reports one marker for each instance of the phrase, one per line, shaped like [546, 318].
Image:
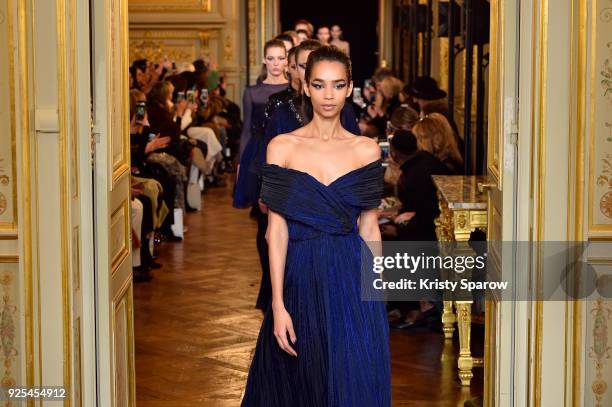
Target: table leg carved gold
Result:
[464, 320]
[453, 228]
[448, 320]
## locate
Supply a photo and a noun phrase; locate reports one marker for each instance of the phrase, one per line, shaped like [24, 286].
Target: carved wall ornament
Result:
[252, 18]
[4, 178]
[204, 37]
[605, 180]
[177, 45]
[600, 351]
[156, 51]
[228, 48]
[170, 6]
[600, 183]
[606, 14]
[605, 204]
[3, 203]
[8, 311]
[606, 76]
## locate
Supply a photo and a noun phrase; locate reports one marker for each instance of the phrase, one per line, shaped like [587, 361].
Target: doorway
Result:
[205, 342]
[359, 27]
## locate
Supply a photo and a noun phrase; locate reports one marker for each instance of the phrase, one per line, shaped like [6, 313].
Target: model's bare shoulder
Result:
[278, 149]
[368, 149]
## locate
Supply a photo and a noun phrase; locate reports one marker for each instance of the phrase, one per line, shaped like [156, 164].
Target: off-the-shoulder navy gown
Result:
[342, 342]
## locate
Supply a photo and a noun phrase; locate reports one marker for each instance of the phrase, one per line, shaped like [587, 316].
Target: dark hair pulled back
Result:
[328, 53]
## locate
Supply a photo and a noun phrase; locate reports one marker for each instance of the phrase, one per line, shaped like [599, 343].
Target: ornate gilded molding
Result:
[8, 161]
[166, 6]
[155, 51]
[252, 24]
[600, 125]
[178, 45]
[228, 48]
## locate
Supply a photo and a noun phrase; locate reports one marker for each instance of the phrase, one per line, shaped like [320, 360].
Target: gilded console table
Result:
[463, 210]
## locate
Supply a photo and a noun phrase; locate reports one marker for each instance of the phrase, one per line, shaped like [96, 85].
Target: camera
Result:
[180, 96]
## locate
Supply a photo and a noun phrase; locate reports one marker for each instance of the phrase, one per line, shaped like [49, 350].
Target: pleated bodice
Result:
[312, 208]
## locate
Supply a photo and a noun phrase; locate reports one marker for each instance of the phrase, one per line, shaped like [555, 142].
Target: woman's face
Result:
[302, 58]
[293, 69]
[323, 35]
[141, 77]
[328, 88]
[302, 36]
[276, 61]
[169, 102]
[336, 32]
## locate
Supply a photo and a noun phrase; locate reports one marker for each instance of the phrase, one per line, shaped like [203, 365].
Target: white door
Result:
[502, 170]
[115, 328]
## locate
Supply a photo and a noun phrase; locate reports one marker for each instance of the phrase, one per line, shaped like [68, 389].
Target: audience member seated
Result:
[146, 190]
[165, 117]
[402, 118]
[416, 190]
[425, 90]
[213, 129]
[180, 119]
[388, 98]
[441, 106]
[415, 220]
[435, 135]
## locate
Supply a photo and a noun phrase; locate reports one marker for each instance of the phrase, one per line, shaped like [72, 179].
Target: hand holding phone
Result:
[384, 148]
[140, 111]
[191, 96]
[204, 96]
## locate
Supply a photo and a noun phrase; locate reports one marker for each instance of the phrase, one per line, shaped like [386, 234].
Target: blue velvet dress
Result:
[342, 345]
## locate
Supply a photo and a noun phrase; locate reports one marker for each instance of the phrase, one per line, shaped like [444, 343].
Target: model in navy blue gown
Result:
[254, 102]
[325, 342]
[343, 344]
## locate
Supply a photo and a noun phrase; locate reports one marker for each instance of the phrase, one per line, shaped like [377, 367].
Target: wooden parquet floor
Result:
[196, 325]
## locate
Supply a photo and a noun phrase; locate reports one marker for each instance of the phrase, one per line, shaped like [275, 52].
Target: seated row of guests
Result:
[424, 141]
[181, 135]
[428, 148]
[384, 94]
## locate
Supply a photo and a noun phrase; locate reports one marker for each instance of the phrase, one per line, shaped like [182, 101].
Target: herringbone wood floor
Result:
[196, 327]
